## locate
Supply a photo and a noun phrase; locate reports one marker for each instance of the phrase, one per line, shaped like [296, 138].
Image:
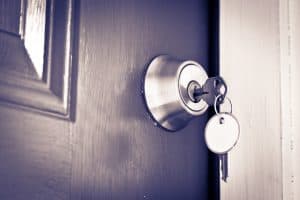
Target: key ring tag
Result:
[222, 130]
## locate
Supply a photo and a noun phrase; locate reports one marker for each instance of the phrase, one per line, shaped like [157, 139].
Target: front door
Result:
[96, 140]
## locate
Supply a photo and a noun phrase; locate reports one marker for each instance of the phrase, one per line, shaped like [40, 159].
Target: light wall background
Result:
[259, 49]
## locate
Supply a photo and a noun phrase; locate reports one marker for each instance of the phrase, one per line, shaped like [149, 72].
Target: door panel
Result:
[112, 150]
[35, 156]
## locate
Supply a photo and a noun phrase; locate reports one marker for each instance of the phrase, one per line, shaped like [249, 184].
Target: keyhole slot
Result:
[195, 91]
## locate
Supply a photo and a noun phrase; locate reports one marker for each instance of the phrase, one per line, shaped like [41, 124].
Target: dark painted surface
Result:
[113, 150]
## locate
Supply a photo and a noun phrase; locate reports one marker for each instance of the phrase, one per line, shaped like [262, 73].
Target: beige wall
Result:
[259, 42]
[259, 62]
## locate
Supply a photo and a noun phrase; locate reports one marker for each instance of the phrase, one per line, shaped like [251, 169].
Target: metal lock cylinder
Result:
[169, 87]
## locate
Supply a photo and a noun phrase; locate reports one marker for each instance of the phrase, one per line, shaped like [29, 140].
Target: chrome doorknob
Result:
[173, 91]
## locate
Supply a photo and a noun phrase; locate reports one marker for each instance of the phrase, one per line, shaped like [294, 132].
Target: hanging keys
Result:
[221, 135]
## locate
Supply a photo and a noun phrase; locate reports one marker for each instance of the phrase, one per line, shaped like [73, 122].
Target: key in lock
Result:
[213, 87]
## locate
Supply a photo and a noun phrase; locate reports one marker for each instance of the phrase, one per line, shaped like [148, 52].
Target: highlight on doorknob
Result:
[177, 91]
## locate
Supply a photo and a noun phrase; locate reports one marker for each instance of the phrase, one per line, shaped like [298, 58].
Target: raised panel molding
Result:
[35, 64]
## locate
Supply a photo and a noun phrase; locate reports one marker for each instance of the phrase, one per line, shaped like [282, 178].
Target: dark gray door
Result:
[107, 147]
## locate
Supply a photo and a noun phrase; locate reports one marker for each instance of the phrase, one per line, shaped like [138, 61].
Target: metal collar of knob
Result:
[177, 91]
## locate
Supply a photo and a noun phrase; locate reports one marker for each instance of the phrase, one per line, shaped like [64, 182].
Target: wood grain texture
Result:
[15, 60]
[118, 152]
[10, 16]
[112, 150]
[250, 63]
[36, 65]
[11, 43]
[290, 82]
[22, 34]
[35, 156]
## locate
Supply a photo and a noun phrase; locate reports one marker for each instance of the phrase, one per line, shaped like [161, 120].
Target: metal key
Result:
[224, 166]
[213, 87]
[221, 135]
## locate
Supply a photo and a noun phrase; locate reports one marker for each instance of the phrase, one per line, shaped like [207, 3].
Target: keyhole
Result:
[195, 92]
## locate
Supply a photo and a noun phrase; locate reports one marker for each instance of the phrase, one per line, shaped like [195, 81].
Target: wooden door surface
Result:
[87, 134]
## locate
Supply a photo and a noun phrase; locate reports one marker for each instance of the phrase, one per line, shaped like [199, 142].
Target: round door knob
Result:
[167, 90]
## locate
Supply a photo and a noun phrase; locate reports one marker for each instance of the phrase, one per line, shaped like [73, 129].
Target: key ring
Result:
[225, 98]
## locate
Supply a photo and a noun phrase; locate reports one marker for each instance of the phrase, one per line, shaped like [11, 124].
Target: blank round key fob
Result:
[222, 133]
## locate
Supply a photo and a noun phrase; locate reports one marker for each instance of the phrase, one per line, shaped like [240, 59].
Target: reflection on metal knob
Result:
[168, 88]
